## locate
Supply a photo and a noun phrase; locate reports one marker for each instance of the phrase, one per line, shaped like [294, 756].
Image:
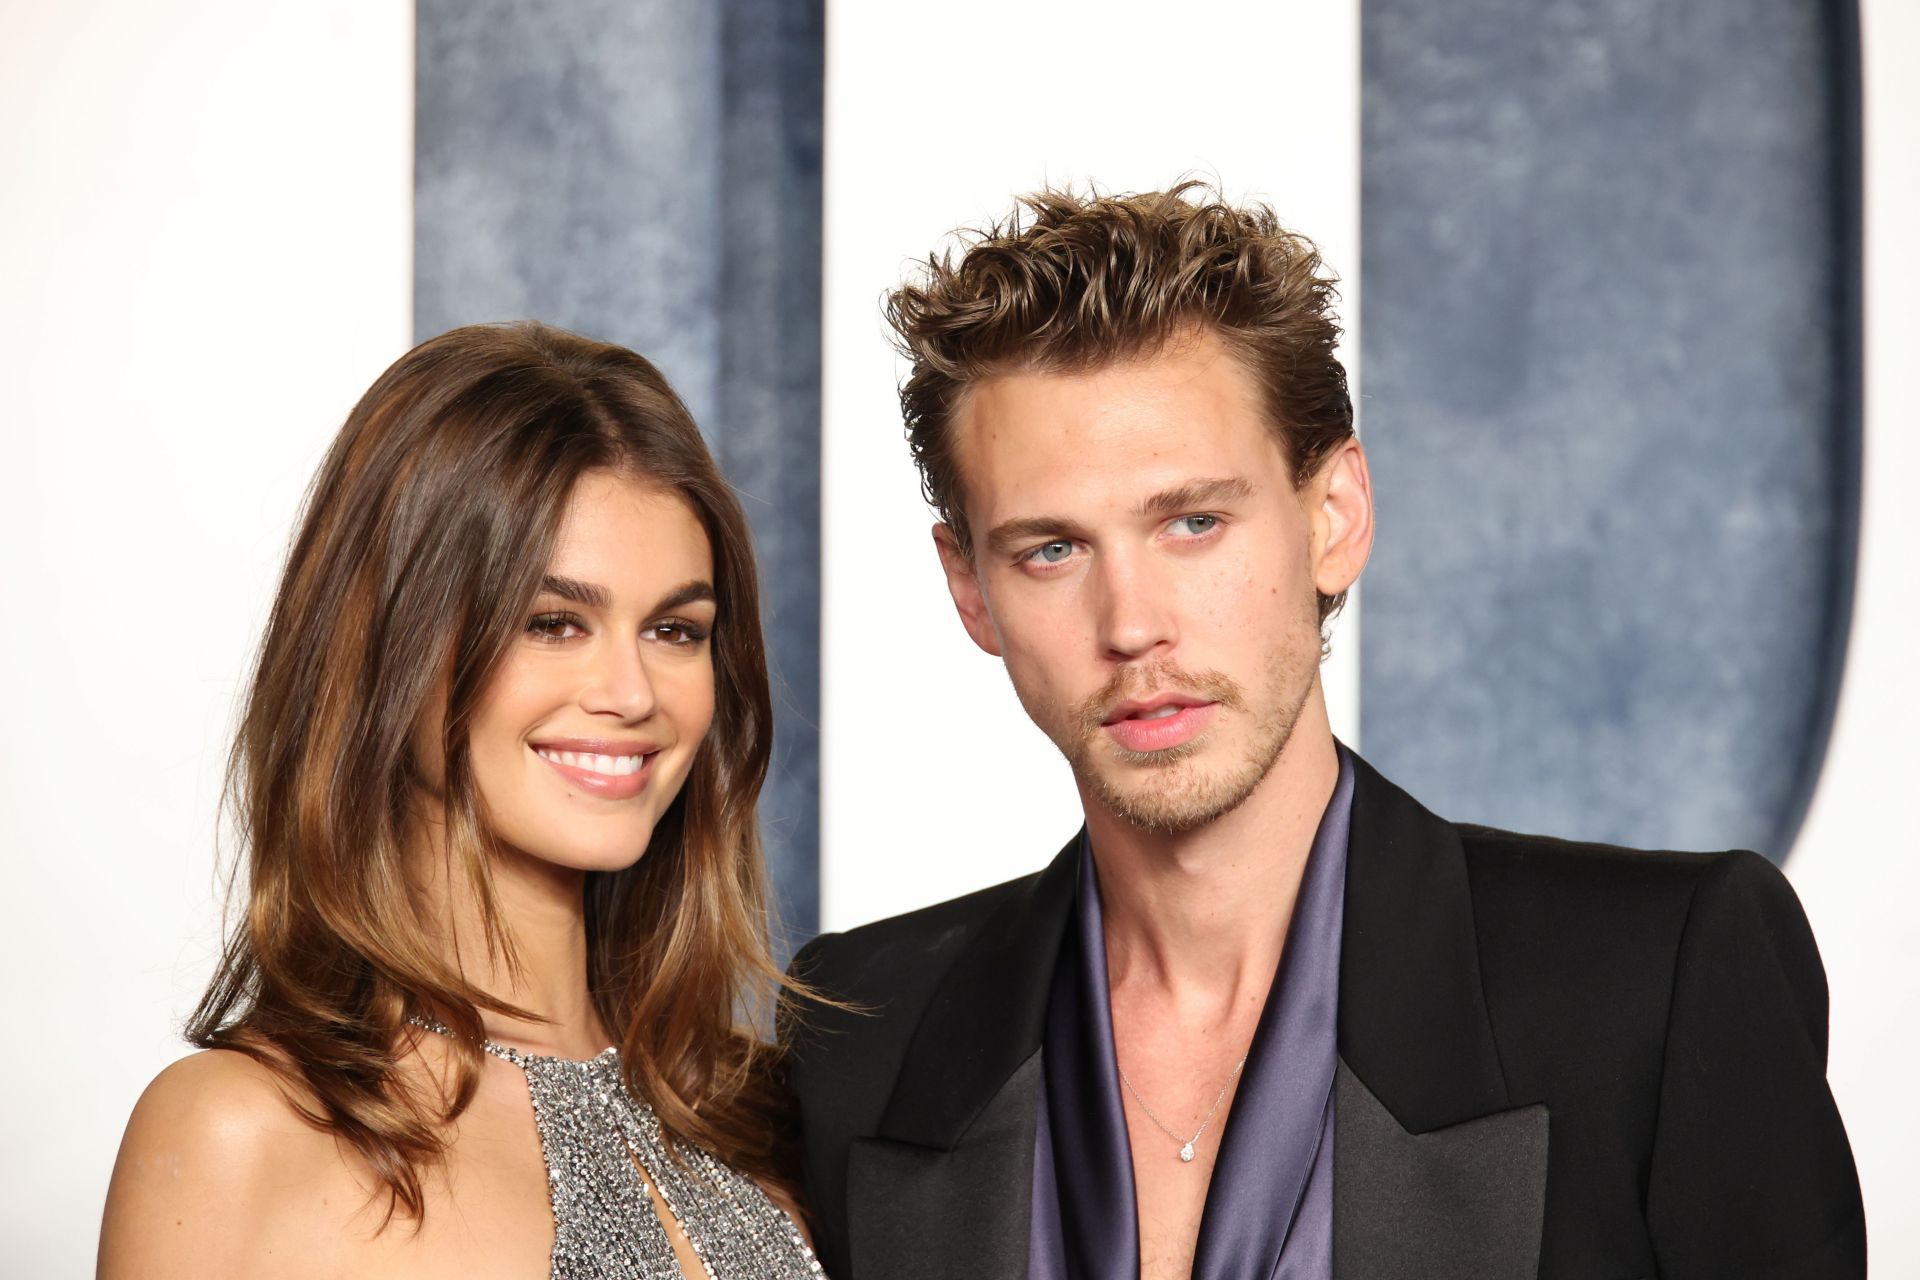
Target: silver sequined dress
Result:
[592, 1133]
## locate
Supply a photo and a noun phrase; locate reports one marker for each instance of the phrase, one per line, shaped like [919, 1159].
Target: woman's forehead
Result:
[630, 535]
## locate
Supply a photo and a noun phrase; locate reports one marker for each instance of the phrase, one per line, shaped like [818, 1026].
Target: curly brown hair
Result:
[1071, 281]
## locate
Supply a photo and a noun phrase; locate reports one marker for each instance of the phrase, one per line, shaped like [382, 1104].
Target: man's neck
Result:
[1201, 918]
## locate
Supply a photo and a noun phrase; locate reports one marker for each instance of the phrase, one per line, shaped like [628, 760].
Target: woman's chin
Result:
[604, 855]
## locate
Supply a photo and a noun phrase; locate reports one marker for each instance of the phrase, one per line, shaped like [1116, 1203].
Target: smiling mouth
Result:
[620, 774]
[620, 766]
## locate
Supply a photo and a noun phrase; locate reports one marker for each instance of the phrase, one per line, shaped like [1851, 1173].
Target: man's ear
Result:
[1341, 498]
[963, 583]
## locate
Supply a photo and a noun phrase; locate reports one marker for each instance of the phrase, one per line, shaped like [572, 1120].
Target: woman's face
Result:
[588, 730]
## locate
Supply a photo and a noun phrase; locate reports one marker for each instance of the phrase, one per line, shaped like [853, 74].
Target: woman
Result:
[497, 775]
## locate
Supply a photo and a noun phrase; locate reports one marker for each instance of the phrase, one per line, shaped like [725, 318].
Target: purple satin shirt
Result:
[1269, 1211]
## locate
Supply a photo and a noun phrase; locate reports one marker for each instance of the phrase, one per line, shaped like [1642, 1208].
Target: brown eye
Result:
[553, 627]
[680, 634]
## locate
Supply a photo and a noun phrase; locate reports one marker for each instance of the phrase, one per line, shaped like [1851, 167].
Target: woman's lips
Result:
[1161, 729]
[608, 776]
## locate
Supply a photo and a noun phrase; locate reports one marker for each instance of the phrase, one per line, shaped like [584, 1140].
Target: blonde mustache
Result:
[1160, 677]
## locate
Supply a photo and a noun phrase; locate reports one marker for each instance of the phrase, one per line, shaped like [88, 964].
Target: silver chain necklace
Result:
[1186, 1146]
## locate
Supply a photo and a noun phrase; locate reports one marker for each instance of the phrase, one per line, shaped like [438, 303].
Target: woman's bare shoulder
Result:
[219, 1096]
[213, 1170]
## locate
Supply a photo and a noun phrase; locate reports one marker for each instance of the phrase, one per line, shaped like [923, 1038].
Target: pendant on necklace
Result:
[1186, 1154]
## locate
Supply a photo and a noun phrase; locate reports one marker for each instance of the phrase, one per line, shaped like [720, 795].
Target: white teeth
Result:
[1159, 713]
[612, 766]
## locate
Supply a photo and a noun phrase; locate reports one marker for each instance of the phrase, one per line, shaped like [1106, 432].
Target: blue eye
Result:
[1197, 525]
[1051, 552]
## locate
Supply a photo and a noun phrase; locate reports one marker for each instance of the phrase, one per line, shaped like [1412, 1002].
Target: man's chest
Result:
[1171, 1200]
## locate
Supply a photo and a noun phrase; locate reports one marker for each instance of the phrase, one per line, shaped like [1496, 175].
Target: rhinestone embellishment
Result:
[1186, 1154]
[592, 1132]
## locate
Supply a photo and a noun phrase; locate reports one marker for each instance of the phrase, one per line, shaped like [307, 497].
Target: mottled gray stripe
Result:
[648, 171]
[1611, 368]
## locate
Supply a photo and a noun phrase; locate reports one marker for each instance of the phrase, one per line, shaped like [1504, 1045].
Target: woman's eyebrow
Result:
[590, 594]
[694, 592]
[594, 596]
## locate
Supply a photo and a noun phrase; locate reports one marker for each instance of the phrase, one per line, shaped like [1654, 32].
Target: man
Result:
[1265, 1015]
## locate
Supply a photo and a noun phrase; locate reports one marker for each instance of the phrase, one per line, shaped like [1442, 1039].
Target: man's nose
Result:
[1136, 606]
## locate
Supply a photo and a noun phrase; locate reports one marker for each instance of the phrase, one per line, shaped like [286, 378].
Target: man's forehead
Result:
[1114, 435]
[1184, 384]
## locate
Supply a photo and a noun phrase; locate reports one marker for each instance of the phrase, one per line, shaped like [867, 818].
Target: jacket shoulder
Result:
[1551, 858]
[1584, 950]
[898, 961]
[1586, 915]
[845, 1048]
[1581, 887]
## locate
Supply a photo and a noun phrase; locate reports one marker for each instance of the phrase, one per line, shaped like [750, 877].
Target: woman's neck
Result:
[541, 911]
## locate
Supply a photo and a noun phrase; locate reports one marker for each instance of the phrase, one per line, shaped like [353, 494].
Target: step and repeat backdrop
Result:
[1627, 293]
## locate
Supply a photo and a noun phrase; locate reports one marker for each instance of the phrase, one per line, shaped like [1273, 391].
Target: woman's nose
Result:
[620, 685]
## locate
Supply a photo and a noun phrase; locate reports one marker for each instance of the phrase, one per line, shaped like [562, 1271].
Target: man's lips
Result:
[1158, 722]
[608, 768]
[1151, 707]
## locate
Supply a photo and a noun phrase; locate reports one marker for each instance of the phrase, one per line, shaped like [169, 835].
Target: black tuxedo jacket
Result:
[1556, 1060]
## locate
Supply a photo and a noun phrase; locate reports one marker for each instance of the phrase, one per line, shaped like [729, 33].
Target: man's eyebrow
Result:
[1192, 496]
[590, 594]
[1197, 494]
[1005, 537]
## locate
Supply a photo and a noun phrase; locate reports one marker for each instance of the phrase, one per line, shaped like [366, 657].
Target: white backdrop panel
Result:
[933, 781]
[206, 244]
[1856, 865]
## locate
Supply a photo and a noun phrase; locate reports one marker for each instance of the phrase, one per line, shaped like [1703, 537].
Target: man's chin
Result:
[1167, 803]
[1154, 818]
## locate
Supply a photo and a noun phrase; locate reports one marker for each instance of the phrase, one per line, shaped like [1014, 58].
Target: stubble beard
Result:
[1174, 791]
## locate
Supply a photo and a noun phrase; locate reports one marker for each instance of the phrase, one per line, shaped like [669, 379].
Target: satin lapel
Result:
[1461, 1203]
[958, 1214]
[945, 1188]
[987, 1016]
[1413, 1018]
[1436, 1174]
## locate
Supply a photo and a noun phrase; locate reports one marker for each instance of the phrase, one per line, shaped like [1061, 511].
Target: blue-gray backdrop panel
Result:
[1611, 369]
[648, 171]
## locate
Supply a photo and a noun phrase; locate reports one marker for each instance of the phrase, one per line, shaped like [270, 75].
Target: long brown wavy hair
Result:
[423, 542]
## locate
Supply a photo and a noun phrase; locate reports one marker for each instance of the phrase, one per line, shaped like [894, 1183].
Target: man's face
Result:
[1147, 568]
